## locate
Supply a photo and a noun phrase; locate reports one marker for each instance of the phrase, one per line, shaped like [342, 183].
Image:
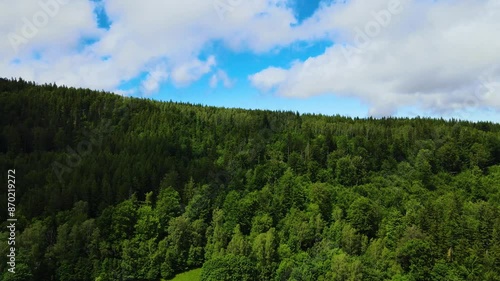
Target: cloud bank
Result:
[440, 56]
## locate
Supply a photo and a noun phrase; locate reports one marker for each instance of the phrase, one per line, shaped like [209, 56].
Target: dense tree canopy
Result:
[116, 188]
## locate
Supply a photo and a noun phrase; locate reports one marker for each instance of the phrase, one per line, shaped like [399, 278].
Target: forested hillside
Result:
[115, 188]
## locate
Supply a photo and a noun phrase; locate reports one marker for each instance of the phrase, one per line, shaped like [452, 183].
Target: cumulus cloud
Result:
[431, 54]
[268, 78]
[142, 33]
[154, 78]
[44, 26]
[221, 76]
[438, 55]
[191, 71]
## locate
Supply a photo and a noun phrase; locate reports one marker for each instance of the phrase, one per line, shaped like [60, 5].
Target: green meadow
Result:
[193, 275]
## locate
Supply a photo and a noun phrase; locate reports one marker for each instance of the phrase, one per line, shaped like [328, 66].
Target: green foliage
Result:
[350, 170]
[228, 268]
[264, 252]
[416, 258]
[363, 215]
[345, 268]
[114, 188]
[167, 207]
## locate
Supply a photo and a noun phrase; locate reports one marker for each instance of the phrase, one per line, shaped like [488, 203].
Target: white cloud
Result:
[172, 32]
[191, 71]
[213, 81]
[220, 76]
[44, 26]
[431, 55]
[125, 93]
[268, 78]
[154, 78]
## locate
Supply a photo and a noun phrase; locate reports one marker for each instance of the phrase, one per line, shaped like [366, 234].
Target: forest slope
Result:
[115, 188]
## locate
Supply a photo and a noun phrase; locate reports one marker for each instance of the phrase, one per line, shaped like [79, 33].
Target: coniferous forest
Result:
[115, 188]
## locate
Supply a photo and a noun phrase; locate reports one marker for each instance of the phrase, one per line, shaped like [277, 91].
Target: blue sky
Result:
[355, 58]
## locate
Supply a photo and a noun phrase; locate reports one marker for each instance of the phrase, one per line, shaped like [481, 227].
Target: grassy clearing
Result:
[193, 275]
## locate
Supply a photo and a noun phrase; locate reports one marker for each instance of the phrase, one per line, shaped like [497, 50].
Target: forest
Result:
[120, 188]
